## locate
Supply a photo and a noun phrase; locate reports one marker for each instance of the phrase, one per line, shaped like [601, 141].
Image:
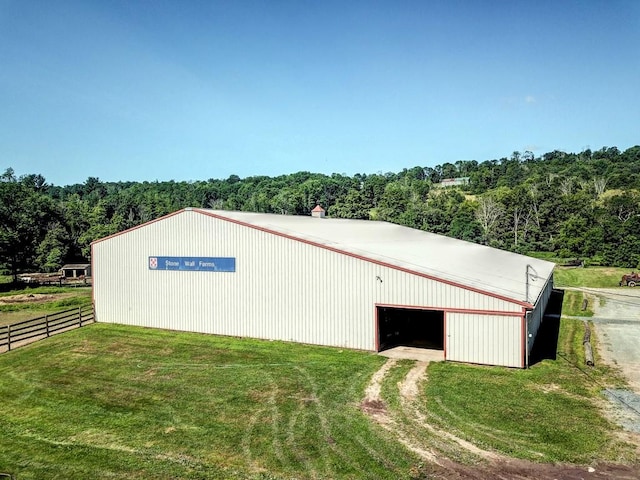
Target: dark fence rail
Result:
[28, 331]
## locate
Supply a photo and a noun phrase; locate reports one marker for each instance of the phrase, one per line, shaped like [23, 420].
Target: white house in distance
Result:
[346, 283]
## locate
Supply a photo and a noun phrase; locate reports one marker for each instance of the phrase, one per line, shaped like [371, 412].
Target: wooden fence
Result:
[22, 333]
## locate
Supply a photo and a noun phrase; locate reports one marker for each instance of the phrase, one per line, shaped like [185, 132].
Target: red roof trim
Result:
[139, 226]
[93, 272]
[318, 208]
[444, 334]
[376, 330]
[93, 284]
[360, 257]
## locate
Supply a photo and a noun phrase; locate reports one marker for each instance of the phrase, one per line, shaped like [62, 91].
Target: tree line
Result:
[574, 205]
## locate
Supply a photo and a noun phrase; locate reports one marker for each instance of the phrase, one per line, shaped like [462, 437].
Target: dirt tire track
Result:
[372, 392]
[492, 465]
[409, 390]
[373, 406]
[409, 387]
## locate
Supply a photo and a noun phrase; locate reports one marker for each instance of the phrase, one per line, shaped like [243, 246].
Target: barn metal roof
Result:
[477, 266]
[75, 266]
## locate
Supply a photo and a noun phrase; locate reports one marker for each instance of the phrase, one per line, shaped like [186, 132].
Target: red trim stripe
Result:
[444, 333]
[93, 285]
[453, 310]
[136, 228]
[524, 340]
[377, 330]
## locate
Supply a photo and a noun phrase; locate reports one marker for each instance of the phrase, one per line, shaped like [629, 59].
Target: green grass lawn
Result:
[573, 301]
[108, 401]
[589, 277]
[549, 412]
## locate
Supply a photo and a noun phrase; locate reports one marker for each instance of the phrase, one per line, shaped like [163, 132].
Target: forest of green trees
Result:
[576, 205]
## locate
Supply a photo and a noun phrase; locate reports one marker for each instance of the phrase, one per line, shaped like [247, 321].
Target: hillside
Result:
[567, 205]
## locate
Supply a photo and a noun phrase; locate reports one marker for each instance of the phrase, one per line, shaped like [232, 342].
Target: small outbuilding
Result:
[76, 270]
[347, 283]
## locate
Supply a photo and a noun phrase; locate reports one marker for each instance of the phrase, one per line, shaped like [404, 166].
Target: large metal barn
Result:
[346, 283]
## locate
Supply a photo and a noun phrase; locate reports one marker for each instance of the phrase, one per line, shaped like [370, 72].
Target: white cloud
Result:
[530, 99]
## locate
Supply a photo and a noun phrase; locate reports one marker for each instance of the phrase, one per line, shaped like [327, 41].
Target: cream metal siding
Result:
[283, 289]
[485, 339]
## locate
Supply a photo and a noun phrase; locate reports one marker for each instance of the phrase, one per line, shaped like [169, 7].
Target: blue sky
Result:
[192, 90]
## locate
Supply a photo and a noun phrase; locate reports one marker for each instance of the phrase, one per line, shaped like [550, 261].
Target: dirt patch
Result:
[523, 470]
[372, 404]
[32, 298]
[373, 407]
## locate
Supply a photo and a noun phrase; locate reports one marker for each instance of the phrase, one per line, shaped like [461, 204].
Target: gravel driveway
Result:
[617, 324]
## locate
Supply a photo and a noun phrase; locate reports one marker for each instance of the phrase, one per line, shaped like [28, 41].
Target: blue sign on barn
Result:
[201, 264]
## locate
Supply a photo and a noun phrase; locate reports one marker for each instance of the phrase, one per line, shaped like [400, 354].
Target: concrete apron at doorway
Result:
[413, 353]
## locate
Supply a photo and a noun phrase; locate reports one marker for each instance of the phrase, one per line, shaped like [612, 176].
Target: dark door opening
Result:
[410, 327]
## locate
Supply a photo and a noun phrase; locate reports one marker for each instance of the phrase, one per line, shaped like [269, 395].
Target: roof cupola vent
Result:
[318, 212]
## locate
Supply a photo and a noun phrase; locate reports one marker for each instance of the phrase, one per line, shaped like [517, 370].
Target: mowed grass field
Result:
[549, 412]
[589, 277]
[28, 303]
[574, 301]
[109, 401]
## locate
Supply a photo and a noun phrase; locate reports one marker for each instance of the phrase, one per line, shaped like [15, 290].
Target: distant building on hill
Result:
[453, 182]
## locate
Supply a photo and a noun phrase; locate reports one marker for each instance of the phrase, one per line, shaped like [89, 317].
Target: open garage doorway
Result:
[410, 327]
